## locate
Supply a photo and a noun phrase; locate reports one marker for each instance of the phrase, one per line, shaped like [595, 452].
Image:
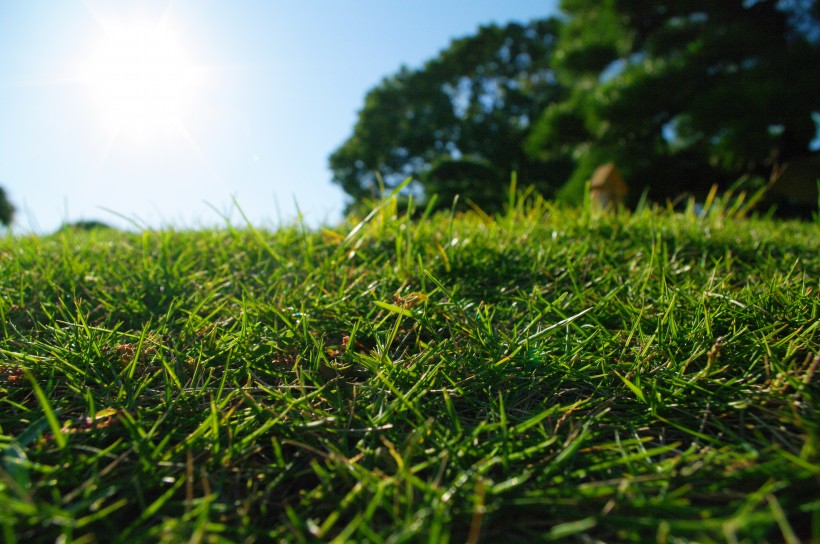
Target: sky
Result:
[156, 114]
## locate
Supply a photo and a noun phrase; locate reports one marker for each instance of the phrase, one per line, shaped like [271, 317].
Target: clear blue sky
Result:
[255, 97]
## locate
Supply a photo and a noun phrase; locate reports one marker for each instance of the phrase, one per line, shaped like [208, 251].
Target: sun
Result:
[140, 77]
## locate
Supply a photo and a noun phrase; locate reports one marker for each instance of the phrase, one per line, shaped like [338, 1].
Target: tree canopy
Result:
[6, 209]
[683, 94]
[680, 95]
[474, 103]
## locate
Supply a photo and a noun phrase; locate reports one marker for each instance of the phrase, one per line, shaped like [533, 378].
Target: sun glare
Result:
[140, 78]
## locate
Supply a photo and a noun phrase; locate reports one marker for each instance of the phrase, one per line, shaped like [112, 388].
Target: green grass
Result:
[545, 375]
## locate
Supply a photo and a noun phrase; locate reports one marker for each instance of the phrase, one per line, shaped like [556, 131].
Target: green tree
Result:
[6, 209]
[473, 178]
[682, 94]
[475, 101]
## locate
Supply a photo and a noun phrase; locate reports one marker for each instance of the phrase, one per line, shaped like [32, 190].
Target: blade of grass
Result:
[51, 416]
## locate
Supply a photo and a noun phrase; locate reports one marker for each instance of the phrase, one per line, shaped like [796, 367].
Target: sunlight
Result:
[141, 79]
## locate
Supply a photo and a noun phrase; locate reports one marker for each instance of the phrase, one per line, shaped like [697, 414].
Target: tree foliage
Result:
[474, 102]
[683, 94]
[474, 179]
[679, 94]
[6, 209]
[84, 225]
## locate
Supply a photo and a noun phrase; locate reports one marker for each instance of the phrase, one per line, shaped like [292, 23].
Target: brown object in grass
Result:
[606, 187]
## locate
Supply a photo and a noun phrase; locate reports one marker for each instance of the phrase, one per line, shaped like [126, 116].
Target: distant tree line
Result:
[680, 95]
[7, 211]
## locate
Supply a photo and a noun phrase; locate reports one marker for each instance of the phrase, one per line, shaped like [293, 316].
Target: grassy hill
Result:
[545, 375]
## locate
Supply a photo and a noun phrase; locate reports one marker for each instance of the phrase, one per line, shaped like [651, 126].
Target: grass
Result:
[545, 375]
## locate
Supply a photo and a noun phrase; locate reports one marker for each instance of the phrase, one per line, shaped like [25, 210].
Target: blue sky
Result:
[268, 90]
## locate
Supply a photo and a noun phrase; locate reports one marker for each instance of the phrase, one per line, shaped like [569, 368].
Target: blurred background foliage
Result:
[6, 209]
[474, 102]
[680, 95]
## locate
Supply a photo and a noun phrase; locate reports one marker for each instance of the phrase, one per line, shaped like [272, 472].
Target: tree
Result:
[86, 225]
[475, 179]
[683, 94]
[475, 101]
[6, 209]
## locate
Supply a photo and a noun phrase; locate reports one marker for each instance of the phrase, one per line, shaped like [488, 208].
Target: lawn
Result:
[548, 374]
